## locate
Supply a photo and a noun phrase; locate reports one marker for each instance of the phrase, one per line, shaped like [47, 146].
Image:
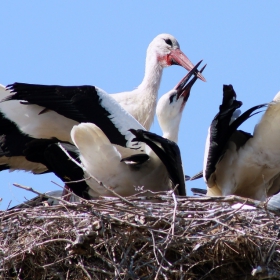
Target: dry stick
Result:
[154, 246]
[60, 260]
[172, 228]
[79, 181]
[42, 194]
[94, 269]
[67, 194]
[260, 269]
[230, 198]
[174, 214]
[27, 188]
[136, 253]
[37, 245]
[182, 200]
[170, 209]
[84, 270]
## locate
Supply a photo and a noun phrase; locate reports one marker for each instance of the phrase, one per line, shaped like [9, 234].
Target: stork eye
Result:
[168, 42]
[171, 98]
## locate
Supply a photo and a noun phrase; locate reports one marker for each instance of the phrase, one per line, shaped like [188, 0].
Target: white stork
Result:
[67, 110]
[237, 162]
[37, 122]
[12, 144]
[149, 168]
[46, 153]
[21, 152]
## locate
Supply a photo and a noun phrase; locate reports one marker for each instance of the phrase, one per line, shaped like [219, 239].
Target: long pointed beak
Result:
[184, 87]
[186, 78]
[179, 58]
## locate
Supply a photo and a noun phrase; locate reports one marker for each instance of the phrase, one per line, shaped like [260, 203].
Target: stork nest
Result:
[160, 237]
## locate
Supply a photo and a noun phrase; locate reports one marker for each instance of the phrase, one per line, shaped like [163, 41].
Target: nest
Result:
[160, 237]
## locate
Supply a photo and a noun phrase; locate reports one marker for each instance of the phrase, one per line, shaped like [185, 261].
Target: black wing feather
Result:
[221, 129]
[137, 159]
[200, 192]
[12, 140]
[79, 103]
[197, 176]
[169, 154]
[48, 152]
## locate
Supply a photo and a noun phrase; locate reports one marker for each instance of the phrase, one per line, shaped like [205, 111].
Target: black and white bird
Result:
[21, 152]
[46, 151]
[237, 162]
[155, 166]
[169, 154]
[12, 144]
[69, 106]
[49, 153]
[35, 121]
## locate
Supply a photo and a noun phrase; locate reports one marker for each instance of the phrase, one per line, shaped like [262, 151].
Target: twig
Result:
[84, 270]
[174, 213]
[94, 178]
[78, 181]
[176, 240]
[42, 194]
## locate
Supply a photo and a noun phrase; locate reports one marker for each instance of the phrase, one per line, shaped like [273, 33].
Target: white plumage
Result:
[163, 51]
[250, 166]
[102, 160]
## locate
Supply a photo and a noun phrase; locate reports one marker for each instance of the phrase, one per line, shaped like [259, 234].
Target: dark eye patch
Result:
[171, 98]
[168, 41]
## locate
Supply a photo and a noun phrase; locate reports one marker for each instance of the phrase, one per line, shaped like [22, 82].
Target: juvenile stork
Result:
[52, 111]
[159, 161]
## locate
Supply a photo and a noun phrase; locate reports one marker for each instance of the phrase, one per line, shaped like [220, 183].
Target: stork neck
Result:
[169, 126]
[152, 77]
[171, 133]
[149, 91]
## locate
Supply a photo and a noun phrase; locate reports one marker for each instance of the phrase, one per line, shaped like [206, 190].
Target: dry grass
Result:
[152, 238]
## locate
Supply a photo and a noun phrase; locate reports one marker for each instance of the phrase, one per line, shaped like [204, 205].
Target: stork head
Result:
[167, 51]
[171, 105]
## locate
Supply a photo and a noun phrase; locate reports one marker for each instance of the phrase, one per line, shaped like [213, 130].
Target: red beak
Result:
[184, 86]
[179, 58]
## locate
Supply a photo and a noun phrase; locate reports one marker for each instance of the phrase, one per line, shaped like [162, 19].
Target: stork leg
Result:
[66, 193]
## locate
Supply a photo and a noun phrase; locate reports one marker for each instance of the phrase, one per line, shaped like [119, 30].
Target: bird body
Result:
[47, 112]
[125, 175]
[20, 163]
[33, 119]
[12, 144]
[117, 128]
[101, 159]
[249, 165]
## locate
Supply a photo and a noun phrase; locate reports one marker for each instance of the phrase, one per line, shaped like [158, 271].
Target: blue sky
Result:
[104, 44]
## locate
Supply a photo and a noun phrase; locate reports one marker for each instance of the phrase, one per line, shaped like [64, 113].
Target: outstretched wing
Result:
[48, 152]
[81, 104]
[222, 128]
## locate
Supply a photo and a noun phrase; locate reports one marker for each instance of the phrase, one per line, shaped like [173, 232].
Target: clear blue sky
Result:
[104, 44]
